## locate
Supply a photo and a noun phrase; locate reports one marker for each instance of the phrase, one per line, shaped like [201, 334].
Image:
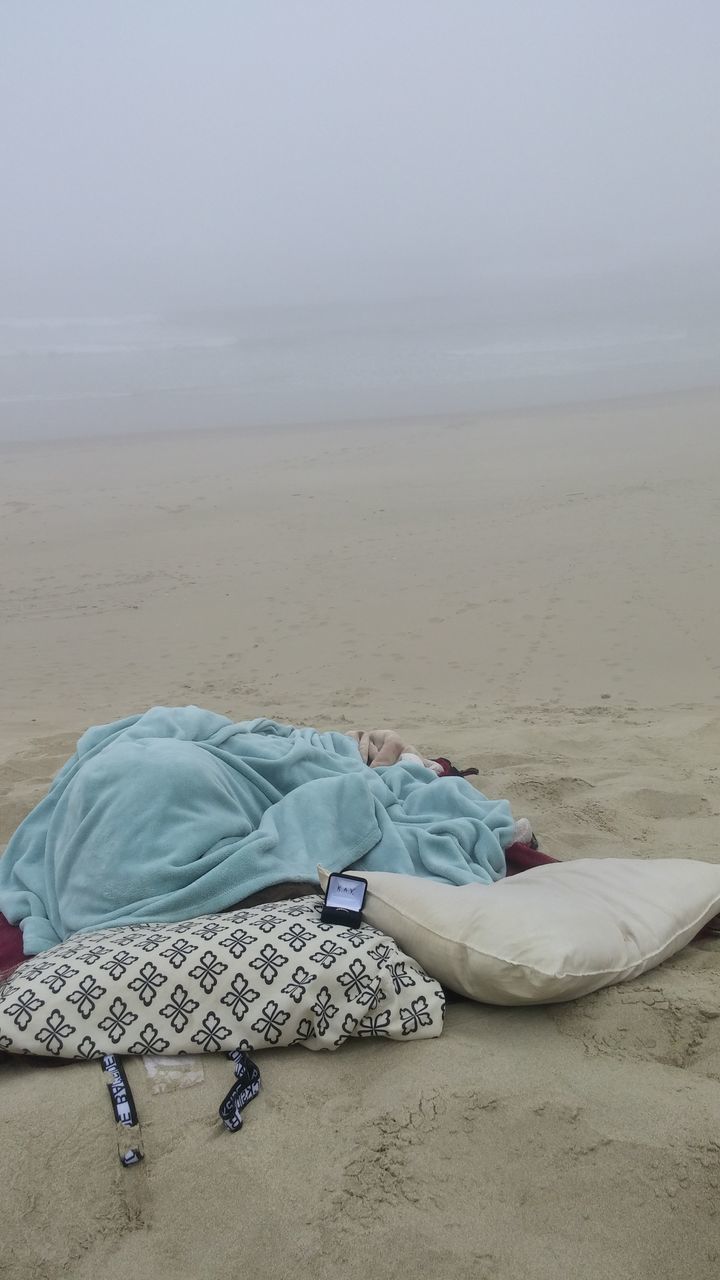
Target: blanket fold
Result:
[179, 811]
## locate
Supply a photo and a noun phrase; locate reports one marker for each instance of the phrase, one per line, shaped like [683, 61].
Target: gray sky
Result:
[222, 152]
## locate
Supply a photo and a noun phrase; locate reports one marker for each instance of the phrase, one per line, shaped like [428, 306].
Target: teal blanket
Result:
[179, 812]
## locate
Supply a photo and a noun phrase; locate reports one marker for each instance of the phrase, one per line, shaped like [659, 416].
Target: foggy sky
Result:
[229, 152]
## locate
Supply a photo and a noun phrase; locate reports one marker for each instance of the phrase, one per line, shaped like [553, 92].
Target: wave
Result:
[153, 343]
[57, 337]
[71, 397]
[148, 345]
[532, 346]
[69, 322]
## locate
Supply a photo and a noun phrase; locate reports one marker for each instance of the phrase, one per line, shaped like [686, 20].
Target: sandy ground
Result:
[534, 594]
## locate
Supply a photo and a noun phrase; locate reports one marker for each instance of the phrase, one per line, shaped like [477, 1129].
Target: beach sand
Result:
[535, 594]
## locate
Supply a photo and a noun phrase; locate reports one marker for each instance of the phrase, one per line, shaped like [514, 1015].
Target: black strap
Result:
[130, 1146]
[246, 1087]
[123, 1105]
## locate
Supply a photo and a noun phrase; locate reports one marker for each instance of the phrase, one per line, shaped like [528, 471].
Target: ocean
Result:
[89, 375]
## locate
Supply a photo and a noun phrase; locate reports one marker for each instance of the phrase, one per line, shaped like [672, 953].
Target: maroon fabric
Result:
[521, 857]
[449, 770]
[11, 946]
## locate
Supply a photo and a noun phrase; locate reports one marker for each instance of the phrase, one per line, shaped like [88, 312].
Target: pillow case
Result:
[550, 934]
[265, 976]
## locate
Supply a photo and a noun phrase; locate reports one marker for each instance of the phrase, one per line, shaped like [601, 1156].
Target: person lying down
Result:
[180, 812]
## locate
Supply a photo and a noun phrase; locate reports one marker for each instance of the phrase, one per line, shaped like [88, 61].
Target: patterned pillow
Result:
[253, 979]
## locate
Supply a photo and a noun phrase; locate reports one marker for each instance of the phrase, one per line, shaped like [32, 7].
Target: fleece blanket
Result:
[180, 812]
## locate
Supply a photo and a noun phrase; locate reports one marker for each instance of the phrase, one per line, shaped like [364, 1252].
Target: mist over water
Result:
[231, 214]
[104, 375]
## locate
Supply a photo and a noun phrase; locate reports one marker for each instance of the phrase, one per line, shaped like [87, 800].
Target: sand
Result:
[536, 594]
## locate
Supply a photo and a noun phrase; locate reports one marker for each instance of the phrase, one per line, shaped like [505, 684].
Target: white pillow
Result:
[549, 934]
[255, 978]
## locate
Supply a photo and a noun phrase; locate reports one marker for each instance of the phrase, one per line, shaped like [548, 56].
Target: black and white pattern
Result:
[255, 978]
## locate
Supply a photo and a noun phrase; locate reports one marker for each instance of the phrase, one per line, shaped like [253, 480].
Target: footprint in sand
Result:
[667, 804]
[646, 1023]
[413, 1173]
[551, 790]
